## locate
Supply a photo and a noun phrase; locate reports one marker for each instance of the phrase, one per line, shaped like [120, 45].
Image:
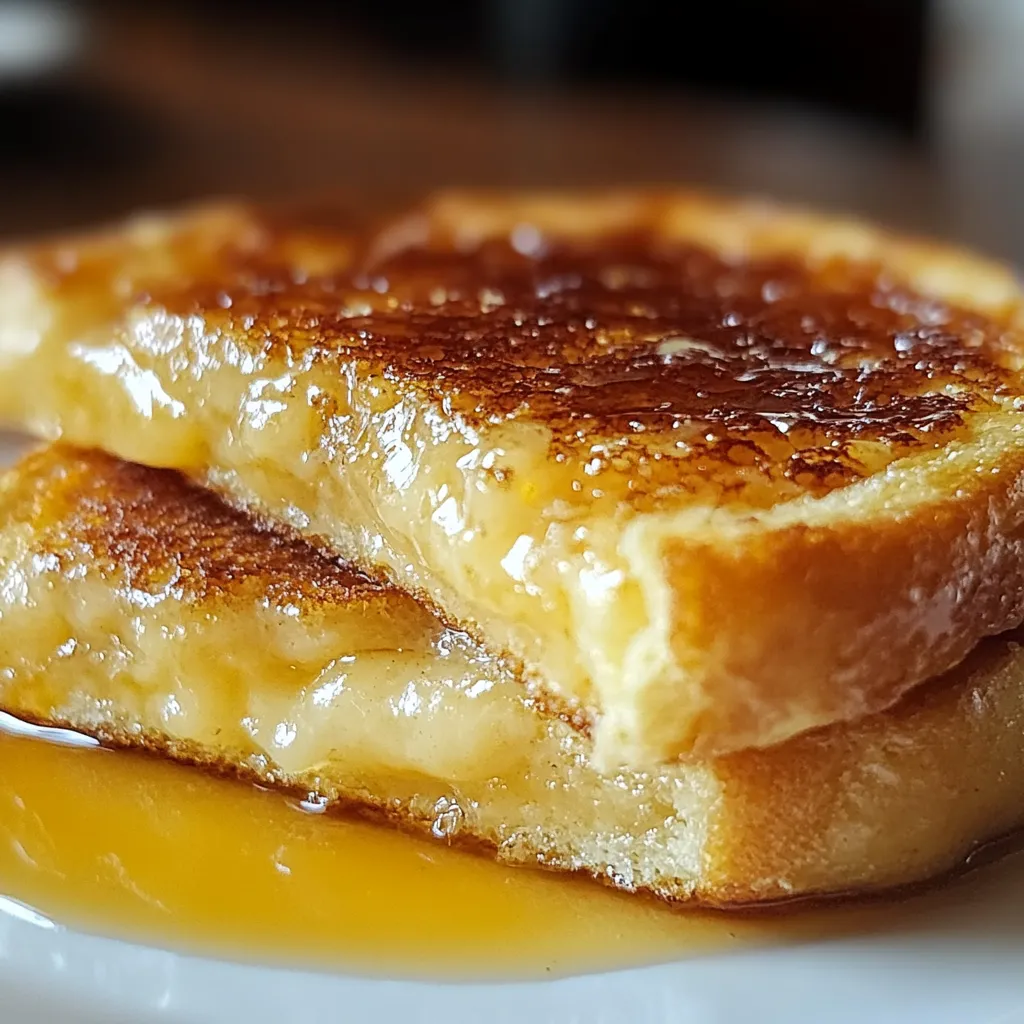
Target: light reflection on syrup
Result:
[133, 846]
[11, 726]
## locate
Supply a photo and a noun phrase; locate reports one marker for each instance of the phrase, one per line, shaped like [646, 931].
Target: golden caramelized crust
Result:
[881, 790]
[166, 534]
[713, 472]
[641, 355]
[364, 701]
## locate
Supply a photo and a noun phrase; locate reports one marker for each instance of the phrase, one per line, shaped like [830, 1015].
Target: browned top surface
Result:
[632, 347]
[163, 532]
[584, 334]
[658, 366]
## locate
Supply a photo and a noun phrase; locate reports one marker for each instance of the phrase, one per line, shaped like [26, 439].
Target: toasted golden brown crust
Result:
[640, 354]
[165, 533]
[854, 596]
[940, 769]
[244, 662]
[716, 471]
[639, 351]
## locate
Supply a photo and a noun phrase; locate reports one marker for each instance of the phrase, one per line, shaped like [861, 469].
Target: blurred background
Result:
[908, 111]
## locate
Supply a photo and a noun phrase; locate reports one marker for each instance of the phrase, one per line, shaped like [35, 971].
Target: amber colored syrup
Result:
[132, 846]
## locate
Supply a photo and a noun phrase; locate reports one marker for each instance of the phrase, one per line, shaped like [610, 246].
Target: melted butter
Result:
[139, 848]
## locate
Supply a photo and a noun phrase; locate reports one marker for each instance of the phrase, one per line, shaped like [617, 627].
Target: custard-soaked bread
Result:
[137, 607]
[712, 473]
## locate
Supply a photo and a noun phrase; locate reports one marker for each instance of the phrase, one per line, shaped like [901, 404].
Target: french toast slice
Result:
[139, 608]
[711, 473]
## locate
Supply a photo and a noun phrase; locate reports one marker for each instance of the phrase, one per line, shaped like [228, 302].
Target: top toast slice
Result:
[713, 472]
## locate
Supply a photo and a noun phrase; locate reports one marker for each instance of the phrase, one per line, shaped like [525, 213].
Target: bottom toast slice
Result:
[137, 607]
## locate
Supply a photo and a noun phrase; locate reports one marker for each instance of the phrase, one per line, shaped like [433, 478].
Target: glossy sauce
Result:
[632, 349]
[136, 847]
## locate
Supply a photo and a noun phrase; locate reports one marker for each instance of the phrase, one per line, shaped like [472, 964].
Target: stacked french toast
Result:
[671, 539]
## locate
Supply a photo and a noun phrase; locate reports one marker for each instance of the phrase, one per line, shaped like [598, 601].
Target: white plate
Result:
[959, 962]
[964, 964]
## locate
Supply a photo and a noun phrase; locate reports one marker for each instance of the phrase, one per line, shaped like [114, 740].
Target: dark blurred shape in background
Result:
[746, 49]
[911, 111]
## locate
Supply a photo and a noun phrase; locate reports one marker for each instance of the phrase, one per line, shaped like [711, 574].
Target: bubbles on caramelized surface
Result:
[656, 366]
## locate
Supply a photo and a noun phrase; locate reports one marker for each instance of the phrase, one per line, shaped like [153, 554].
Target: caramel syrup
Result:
[135, 847]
